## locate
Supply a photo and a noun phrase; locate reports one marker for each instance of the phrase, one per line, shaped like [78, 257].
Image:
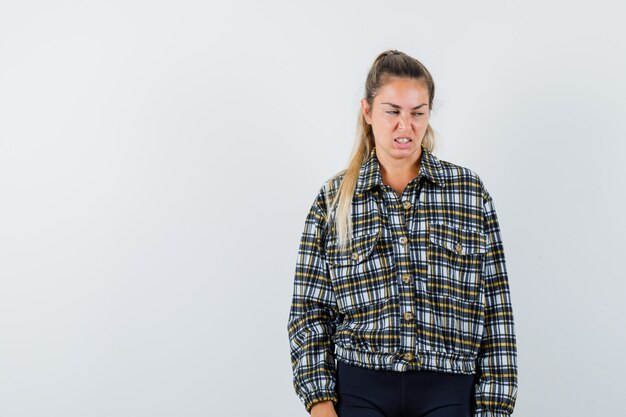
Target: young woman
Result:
[401, 302]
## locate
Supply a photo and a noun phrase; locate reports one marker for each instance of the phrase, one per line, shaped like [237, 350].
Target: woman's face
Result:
[400, 110]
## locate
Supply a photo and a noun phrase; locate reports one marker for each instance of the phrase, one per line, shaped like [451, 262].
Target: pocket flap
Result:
[358, 251]
[459, 240]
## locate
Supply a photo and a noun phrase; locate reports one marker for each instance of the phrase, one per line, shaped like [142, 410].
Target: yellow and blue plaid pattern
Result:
[423, 285]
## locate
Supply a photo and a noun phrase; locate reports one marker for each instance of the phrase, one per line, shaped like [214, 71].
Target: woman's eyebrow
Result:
[395, 106]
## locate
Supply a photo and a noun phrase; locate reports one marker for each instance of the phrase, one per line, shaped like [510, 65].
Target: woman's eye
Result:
[396, 112]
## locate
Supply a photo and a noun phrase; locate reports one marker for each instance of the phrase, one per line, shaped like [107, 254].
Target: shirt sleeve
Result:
[496, 386]
[312, 315]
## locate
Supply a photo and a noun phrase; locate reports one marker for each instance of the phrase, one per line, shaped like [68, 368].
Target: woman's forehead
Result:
[403, 92]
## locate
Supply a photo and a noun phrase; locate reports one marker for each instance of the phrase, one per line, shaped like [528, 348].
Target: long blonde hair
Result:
[391, 63]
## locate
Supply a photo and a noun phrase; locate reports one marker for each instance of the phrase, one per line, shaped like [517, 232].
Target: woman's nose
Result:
[403, 123]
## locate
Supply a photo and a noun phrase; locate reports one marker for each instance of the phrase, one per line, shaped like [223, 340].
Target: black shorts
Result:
[366, 392]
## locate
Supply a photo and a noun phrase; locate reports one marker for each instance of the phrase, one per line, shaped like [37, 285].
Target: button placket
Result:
[399, 220]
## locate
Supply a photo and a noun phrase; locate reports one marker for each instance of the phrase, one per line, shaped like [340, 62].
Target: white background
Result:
[158, 159]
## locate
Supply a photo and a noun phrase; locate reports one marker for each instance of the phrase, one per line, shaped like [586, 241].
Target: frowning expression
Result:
[399, 116]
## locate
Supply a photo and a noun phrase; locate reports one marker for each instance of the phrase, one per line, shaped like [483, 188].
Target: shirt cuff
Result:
[490, 413]
[311, 400]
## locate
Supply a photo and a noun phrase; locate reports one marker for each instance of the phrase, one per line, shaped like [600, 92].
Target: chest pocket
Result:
[358, 277]
[455, 260]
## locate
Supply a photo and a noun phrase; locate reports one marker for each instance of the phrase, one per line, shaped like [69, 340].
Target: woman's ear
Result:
[365, 107]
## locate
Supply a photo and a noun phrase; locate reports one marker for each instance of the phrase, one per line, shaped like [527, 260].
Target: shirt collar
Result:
[369, 175]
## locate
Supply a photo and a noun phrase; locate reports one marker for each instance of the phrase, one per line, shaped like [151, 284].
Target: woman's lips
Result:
[400, 145]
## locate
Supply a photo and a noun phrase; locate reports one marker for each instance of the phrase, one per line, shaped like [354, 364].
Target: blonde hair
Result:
[391, 63]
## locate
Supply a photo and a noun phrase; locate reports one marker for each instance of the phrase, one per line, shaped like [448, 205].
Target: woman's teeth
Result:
[402, 140]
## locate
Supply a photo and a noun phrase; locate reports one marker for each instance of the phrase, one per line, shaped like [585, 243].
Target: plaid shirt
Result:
[423, 286]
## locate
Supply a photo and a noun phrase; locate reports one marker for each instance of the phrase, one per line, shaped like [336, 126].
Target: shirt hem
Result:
[422, 360]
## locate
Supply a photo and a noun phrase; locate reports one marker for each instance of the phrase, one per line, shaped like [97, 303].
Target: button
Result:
[406, 278]
[403, 240]
[408, 316]
[406, 205]
[408, 356]
[458, 248]
[355, 256]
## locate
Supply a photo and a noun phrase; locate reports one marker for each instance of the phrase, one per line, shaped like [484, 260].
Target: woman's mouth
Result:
[402, 143]
[402, 140]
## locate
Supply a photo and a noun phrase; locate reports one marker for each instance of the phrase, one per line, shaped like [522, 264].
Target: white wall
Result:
[158, 158]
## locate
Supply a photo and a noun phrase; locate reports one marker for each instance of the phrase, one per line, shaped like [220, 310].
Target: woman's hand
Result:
[323, 409]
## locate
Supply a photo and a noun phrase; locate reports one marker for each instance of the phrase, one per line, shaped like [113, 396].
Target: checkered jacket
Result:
[423, 285]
